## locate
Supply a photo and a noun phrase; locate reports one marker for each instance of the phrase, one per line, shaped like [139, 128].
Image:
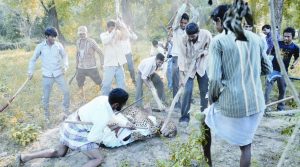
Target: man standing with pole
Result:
[54, 64]
[114, 57]
[146, 74]
[288, 50]
[196, 42]
[178, 49]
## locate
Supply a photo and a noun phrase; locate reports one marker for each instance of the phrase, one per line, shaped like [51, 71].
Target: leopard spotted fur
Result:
[140, 118]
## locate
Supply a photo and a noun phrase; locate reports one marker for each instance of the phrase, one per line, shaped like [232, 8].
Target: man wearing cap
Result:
[195, 63]
[114, 57]
[86, 60]
[54, 64]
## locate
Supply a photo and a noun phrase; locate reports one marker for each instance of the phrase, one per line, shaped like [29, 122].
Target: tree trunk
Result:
[52, 19]
[126, 12]
[278, 13]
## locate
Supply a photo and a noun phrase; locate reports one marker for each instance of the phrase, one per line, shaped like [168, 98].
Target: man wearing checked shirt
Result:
[54, 64]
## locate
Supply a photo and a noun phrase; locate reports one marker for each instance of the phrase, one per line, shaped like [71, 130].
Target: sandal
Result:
[19, 161]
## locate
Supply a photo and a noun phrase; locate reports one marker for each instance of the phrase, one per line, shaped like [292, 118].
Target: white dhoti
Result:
[236, 131]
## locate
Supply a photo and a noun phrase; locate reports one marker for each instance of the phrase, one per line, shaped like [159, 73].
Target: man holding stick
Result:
[101, 112]
[114, 57]
[54, 65]
[146, 74]
[288, 50]
[235, 90]
[178, 49]
[196, 43]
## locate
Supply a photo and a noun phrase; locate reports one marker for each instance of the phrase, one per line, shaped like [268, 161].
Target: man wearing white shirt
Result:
[146, 74]
[156, 48]
[102, 112]
[54, 64]
[178, 49]
[114, 57]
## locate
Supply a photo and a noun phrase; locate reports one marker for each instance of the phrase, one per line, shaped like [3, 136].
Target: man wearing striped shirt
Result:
[235, 89]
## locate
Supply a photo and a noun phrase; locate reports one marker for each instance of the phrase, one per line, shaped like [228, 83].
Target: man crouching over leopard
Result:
[109, 127]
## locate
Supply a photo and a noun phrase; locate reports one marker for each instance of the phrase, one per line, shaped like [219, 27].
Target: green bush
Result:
[186, 154]
[3, 122]
[288, 130]
[24, 134]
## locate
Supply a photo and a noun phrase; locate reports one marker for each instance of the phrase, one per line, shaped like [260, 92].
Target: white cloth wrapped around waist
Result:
[236, 131]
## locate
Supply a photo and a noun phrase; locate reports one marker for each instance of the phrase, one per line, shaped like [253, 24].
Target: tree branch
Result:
[45, 8]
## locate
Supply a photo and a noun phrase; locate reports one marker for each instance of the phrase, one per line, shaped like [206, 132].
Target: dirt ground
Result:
[268, 146]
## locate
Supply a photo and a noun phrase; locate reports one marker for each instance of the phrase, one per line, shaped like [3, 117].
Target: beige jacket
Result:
[196, 54]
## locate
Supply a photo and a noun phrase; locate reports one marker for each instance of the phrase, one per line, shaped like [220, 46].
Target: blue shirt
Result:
[287, 52]
[54, 59]
[270, 42]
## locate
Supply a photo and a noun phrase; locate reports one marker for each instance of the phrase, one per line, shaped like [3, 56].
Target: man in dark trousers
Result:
[288, 50]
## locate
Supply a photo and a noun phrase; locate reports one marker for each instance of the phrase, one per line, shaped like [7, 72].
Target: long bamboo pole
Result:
[289, 83]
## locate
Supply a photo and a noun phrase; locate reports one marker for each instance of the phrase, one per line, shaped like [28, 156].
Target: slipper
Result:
[19, 161]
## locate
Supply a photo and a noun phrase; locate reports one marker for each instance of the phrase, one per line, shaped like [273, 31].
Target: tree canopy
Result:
[28, 18]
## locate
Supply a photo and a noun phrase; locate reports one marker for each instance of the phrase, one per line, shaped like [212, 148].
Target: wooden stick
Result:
[289, 83]
[294, 78]
[90, 123]
[155, 96]
[279, 101]
[14, 96]
[117, 8]
[79, 122]
[286, 112]
[289, 145]
[181, 90]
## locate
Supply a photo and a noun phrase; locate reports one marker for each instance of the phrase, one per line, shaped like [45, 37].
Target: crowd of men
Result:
[227, 68]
